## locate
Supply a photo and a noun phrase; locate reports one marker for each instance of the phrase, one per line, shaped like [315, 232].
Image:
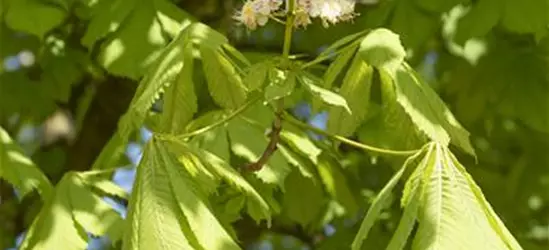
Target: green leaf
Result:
[303, 209]
[428, 112]
[530, 16]
[327, 96]
[411, 201]
[256, 75]
[379, 203]
[127, 50]
[224, 83]
[356, 91]
[382, 49]
[92, 213]
[281, 84]
[390, 127]
[450, 216]
[161, 74]
[276, 169]
[300, 142]
[337, 66]
[34, 16]
[335, 183]
[18, 170]
[223, 170]
[180, 101]
[215, 142]
[516, 91]
[60, 72]
[344, 43]
[71, 210]
[415, 26]
[406, 223]
[494, 220]
[483, 16]
[160, 221]
[333, 71]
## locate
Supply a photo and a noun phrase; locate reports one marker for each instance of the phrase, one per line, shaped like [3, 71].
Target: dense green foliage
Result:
[435, 133]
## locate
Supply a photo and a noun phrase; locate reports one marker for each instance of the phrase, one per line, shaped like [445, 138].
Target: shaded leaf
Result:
[45, 16]
[305, 202]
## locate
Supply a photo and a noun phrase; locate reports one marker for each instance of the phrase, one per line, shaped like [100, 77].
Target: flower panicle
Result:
[255, 13]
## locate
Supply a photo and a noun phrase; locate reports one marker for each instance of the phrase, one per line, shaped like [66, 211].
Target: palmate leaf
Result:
[224, 171]
[381, 201]
[18, 170]
[451, 216]
[72, 210]
[127, 50]
[169, 209]
[165, 71]
[356, 91]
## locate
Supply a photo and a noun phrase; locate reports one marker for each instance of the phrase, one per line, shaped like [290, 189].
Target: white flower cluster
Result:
[256, 13]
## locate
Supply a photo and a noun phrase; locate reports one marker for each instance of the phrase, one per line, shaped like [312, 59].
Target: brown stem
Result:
[274, 136]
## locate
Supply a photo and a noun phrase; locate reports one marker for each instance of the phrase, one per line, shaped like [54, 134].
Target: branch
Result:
[271, 147]
[277, 123]
[290, 119]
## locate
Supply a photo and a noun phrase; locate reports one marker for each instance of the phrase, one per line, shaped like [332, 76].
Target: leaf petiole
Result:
[290, 119]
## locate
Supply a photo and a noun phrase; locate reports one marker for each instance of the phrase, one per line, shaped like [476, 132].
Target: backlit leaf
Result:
[309, 83]
[224, 83]
[382, 49]
[428, 112]
[18, 170]
[356, 91]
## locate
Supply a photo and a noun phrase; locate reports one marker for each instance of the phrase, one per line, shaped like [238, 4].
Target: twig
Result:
[274, 136]
[277, 123]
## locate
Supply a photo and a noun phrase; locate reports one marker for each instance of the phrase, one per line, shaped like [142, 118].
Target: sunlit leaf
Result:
[224, 83]
[379, 204]
[19, 170]
[158, 220]
[382, 49]
[356, 91]
[309, 82]
[428, 112]
[71, 210]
